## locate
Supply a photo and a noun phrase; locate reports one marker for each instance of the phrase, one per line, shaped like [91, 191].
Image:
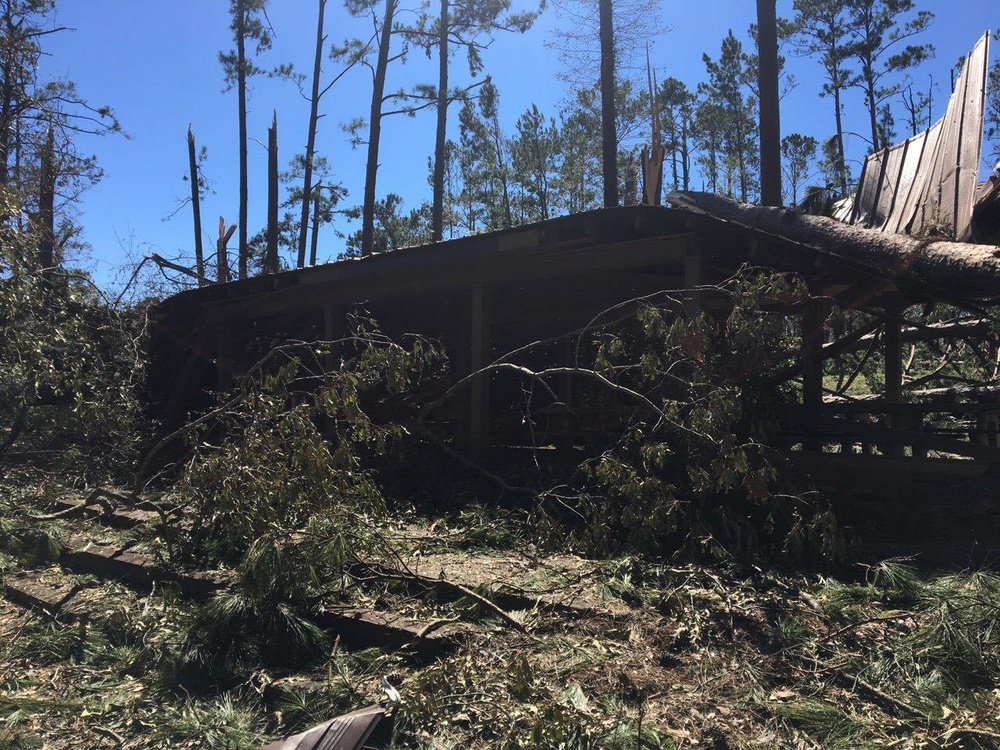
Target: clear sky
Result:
[156, 63]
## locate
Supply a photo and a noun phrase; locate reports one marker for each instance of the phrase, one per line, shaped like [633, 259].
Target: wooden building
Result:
[485, 295]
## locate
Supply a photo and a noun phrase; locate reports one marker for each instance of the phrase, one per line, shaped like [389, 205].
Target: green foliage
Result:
[880, 30]
[69, 367]
[292, 440]
[394, 228]
[691, 473]
[946, 645]
[732, 111]
[993, 111]
[827, 723]
[798, 152]
[225, 723]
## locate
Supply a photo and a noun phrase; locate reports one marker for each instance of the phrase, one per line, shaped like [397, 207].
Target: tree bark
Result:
[271, 253]
[311, 137]
[950, 271]
[437, 209]
[609, 135]
[241, 91]
[841, 158]
[770, 112]
[375, 130]
[315, 226]
[46, 206]
[199, 252]
[873, 114]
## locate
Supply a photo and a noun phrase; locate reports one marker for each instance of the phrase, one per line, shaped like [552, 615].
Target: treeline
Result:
[488, 169]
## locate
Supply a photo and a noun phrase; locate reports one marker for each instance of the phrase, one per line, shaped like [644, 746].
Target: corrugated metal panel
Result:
[348, 732]
[931, 179]
[913, 178]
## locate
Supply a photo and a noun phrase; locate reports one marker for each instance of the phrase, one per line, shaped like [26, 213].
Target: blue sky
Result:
[156, 64]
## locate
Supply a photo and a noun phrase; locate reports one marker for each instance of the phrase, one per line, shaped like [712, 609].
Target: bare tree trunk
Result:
[841, 158]
[271, 253]
[873, 115]
[770, 113]
[315, 228]
[685, 153]
[7, 100]
[437, 209]
[199, 253]
[609, 134]
[241, 90]
[311, 138]
[46, 206]
[375, 131]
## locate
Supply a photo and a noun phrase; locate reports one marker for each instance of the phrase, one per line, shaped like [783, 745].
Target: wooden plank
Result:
[847, 469]
[136, 570]
[695, 275]
[364, 628]
[813, 321]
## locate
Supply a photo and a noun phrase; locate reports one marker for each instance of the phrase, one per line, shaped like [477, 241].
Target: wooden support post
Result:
[893, 353]
[695, 275]
[813, 321]
[480, 355]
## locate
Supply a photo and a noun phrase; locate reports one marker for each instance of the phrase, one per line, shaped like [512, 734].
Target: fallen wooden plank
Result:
[364, 628]
[138, 571]
[54, 599]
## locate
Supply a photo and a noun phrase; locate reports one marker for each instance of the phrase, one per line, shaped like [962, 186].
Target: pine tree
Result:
[535, 158]
[484, 164]
[248, 23]
[823, 32]
[726, 86]
[918, 106]
[39, 120]
[677, 111]
[798, 152]
[580, 170]
[469, 25]
[993, 110]
[879, 28]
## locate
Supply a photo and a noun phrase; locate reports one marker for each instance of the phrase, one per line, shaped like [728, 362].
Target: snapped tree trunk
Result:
[311, 137]
[770, 117]
[609, 135]
[241, 90]
[222, 251]
[437, 209]
[271, 253]
[199, 253]
[375, 130]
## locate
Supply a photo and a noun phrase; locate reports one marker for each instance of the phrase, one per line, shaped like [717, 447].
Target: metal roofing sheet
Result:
[931, 179]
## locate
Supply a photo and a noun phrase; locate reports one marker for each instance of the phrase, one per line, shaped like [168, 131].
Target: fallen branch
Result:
[100, 496]
[454, 589]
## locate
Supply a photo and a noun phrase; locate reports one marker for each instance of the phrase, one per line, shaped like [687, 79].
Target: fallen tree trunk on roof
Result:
[951, 270]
